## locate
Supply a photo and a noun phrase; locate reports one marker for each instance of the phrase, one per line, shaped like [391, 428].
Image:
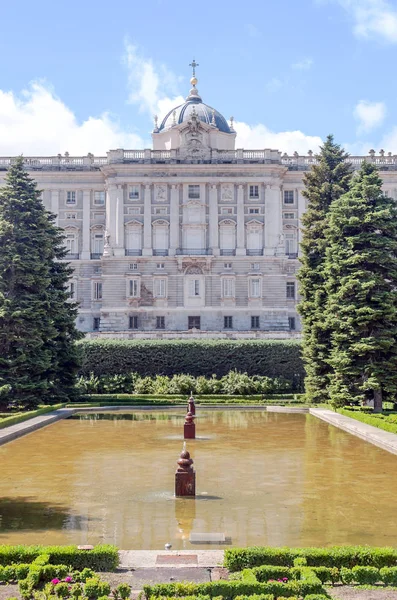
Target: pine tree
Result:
[324, 183]
[38, 359]
[361, 265]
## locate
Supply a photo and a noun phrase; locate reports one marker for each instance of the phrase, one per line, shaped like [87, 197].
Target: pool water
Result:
[262, 479]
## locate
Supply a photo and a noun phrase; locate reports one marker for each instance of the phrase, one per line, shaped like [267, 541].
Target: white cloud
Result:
[152, 88]
[373, 19]
[369, 115]
[37, 123]
[303, 65]
[259, 136]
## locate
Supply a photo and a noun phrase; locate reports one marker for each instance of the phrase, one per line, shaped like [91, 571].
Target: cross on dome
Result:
[194, 65]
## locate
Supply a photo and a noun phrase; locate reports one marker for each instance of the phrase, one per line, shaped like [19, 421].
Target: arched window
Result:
[133, 238]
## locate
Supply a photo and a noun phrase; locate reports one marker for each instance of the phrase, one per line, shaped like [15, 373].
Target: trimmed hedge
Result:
[25, 416]
[101, 558]
[382, 421]
[237, 559]
[273, 358]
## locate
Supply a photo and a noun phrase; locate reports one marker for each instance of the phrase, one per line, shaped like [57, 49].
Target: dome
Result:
[205, 113]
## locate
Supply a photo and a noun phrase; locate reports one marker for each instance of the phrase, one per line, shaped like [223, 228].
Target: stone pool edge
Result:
[378, 437]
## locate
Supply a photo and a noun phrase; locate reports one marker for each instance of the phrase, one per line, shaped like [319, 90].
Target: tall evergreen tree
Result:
[324, 183]
[38, 357]
[361, 266]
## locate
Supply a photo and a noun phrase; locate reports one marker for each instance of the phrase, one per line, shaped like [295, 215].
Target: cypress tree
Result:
[324, 183]
[38, 359]
[361, 264]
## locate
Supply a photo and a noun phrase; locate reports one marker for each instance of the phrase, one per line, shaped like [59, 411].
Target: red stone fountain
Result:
[189, 427]
[185, 476]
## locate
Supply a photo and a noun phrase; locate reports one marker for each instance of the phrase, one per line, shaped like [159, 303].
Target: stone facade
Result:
[192, 238]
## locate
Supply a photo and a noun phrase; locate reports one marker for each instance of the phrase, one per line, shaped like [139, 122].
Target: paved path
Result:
[369, 433]
[172, 558]
[15, 431]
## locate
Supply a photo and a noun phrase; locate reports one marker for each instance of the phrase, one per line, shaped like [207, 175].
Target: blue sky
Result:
[88, 76]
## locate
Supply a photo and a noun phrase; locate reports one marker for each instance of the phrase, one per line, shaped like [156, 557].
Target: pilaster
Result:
[118, 246]
[55, 204]
[111, 211]
[301, 210]
[147, 222]
[213, 220]
[174, 219]
[240, 250]
[273, 221]
[85, 248]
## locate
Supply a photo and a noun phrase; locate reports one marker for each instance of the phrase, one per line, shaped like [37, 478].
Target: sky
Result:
[84, 76]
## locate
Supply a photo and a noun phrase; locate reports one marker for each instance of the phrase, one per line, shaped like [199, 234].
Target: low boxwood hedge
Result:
[237, 559]
[25, 416]
[100, 558]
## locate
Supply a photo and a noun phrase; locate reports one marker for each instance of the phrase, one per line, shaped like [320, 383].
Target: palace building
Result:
[193, 238]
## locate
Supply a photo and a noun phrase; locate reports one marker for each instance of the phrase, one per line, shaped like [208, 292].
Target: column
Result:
[111, 204]
[213, 220]
[240, 250]
[55, 204]
[118, 246]
[85, 248]
[174, 219]
[147, 222]
[273, 221]
[301, 209]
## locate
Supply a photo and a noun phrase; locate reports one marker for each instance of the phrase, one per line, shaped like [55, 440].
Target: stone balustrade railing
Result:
[266, 156]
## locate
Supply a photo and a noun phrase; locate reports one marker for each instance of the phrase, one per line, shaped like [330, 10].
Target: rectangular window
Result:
[160, 211]
[160, 322]
[228, 322]
[133, 322]
[254, 191]
[133, 266]
[288, 196]
[70, 242]
[254, 211]
[255, 288]
[134, 288]
[289, 215]
[194, 322]
[290, 290]
[291, 323]
[134, 210]
[160, 266]
[70, 197]
[97, 290]
[96, 323]
[71, 215]
[227, 288]
[159, 288]
[255, 266]
[193, 191]
[290, 244]
[99, 198]
[194, 287]
[255, 322]
[133, 192]
[227, 211]
[227, 266]
[72, 290]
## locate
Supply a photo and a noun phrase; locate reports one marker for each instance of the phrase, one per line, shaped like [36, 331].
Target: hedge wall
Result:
[273, 358]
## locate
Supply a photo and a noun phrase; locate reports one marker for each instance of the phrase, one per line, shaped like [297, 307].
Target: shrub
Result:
[389, 575]
[346, 575]
[272, 358]
[94, 588]
[266, 572]
[62, 590]
[366, 575]
[122, 591]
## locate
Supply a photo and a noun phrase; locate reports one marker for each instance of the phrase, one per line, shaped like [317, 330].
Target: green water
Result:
[262, 478]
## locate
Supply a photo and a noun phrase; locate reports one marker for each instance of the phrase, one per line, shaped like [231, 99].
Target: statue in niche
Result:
[107, 238]
[227, 192]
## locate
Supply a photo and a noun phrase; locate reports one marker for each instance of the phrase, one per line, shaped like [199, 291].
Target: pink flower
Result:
[68, 580]
[55, 581]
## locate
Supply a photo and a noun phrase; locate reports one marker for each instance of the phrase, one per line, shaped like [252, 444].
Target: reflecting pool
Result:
[262, 478]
